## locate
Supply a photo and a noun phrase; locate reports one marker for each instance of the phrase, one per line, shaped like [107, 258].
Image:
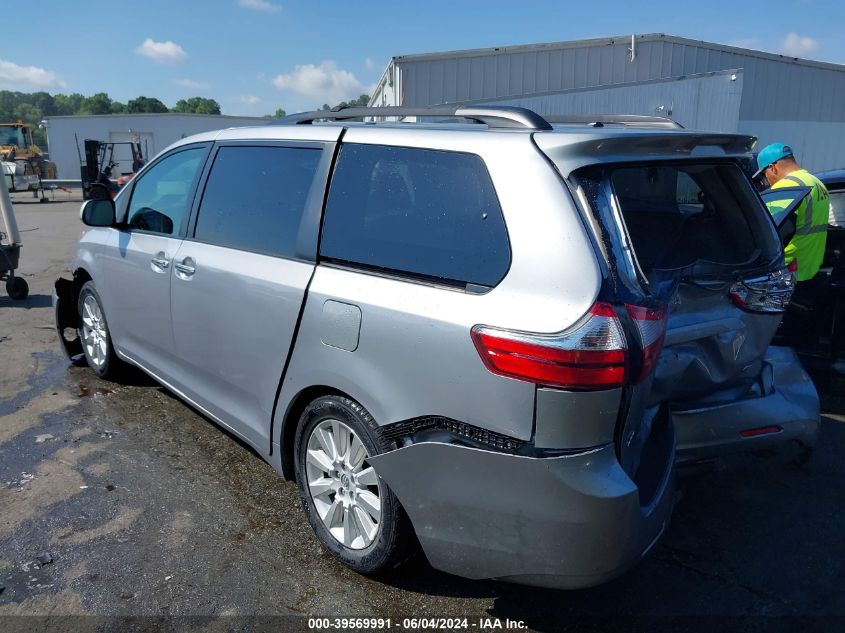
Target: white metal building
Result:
[699, 84]
[66, 135]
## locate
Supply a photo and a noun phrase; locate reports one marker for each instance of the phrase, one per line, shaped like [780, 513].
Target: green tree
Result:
[29, 113]
[43, 101]
[117, 107]
[68, 104]
[280, 112]
[8, 103]
[145, 104]
[197, 105]
[360, 102]
[99, 103]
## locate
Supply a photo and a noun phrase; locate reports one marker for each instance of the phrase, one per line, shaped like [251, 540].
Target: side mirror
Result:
[97, 213]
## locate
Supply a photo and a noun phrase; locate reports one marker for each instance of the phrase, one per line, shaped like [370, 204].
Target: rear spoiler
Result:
[573, 150]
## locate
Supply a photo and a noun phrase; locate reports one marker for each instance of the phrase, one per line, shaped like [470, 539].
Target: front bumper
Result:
[786, 403]
[67, 320]
[566, 522]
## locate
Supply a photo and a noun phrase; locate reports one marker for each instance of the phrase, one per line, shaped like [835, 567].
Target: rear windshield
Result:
[682, 215]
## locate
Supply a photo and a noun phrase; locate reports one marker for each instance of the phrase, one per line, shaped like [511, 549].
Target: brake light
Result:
[792, 266]
[770, 293]
[651, 325]
[592, 355]
[762, 430]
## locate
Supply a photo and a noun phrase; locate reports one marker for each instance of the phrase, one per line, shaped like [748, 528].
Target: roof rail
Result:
[495, 117]
[600, 120]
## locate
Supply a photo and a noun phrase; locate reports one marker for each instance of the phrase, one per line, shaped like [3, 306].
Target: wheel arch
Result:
[80, 277]
[290, 421]
[66, 314]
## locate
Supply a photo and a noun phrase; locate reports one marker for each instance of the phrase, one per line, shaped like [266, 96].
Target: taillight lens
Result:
[651, 325]
[590, 356]
[770, 293]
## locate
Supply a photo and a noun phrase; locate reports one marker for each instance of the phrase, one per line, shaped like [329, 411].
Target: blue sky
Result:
[254, 56]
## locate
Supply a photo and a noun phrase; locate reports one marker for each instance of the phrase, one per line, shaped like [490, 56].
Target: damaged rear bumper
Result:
[566, 522]
[67, 318]
[785, 407]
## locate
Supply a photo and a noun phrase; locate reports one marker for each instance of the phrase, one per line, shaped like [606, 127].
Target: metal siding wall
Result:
[818, 145]
[708, 103]
[773, 90]
[783, 91]
[165, 129]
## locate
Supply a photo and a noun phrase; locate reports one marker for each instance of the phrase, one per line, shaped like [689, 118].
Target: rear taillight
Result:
[651, 325]
[770, 293]
[760, 430]
[590, 356]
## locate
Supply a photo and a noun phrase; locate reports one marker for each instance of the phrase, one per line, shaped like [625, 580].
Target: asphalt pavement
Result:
[119, 501]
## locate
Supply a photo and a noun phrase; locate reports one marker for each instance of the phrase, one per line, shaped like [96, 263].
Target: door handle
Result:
[185, 268]
[159, 263]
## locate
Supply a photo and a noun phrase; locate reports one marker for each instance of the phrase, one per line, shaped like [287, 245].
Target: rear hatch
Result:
[690, 239]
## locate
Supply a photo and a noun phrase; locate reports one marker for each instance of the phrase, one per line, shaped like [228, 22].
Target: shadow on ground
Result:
[32, 301]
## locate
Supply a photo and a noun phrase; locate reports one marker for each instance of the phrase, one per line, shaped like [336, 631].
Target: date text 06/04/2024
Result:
[414, 624]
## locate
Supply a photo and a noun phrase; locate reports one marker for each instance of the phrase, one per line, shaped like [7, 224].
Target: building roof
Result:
[603, 41]
[153, 114]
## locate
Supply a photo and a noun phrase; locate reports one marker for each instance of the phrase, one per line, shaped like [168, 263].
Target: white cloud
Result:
[191, 84]
[162, 52]
[250, 99]
[325, 82]
[260, 5]
[369, 64]
[12, 75]
[795, 45]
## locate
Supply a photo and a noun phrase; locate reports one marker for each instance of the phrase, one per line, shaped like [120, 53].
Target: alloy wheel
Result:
[94, 332]
[344, 488]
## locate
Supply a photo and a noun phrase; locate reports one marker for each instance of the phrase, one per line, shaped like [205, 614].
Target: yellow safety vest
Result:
[807, 246]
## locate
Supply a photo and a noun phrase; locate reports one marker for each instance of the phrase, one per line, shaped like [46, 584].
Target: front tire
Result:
[356, 517]
[95, 336]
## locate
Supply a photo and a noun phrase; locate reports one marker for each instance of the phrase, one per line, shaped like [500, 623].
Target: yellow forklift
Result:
[23, 159]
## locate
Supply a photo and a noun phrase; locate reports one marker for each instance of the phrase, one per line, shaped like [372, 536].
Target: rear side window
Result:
[255, 198]
[426, 213]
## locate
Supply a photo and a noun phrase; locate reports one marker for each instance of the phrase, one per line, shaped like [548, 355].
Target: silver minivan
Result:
[485, 333]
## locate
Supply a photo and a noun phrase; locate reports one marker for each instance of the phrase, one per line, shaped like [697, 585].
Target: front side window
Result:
[425, 213]
[255, 198]
[782, 201]
[162, 196]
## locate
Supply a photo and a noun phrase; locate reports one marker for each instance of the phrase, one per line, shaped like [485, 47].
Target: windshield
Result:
[13, 135]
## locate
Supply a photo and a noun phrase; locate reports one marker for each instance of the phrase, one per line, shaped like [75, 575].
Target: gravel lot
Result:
[146, 508]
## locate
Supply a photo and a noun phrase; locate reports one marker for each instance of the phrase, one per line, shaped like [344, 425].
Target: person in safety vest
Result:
[806, 249]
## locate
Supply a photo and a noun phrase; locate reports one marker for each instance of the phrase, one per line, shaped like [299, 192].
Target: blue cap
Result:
[770, 155]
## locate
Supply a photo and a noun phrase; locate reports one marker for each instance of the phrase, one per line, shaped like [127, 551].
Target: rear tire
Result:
[95, 335]
[355, 516]
[17, 288]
